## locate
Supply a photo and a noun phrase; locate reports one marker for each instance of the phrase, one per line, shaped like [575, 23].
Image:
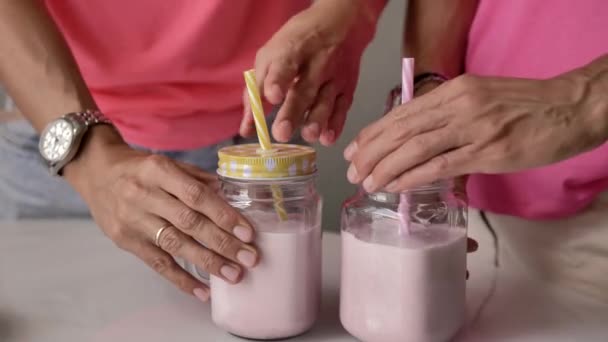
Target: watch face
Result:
[56, 140]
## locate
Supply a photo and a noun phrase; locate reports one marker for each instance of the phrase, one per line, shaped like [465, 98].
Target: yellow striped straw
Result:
[258, 110]
[263, 136]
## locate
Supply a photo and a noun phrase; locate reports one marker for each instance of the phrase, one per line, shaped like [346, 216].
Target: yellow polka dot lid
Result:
[250, 161]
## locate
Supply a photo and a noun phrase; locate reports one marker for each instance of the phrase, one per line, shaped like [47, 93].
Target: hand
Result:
[311, 65]
[132, 194]
[460, 183]
[475, 125]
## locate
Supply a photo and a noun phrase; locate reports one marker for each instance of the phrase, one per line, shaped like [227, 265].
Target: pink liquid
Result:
[411, 289]
[281, 296]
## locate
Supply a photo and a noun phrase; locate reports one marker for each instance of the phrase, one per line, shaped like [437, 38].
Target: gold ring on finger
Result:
[158, 233]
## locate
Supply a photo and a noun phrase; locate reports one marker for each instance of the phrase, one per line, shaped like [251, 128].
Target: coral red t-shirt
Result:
[169, 73]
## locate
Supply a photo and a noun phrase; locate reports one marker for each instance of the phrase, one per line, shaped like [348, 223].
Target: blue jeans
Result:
[27, 190]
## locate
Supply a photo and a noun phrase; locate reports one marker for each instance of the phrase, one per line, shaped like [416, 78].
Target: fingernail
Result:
[243, 233]
[230, 272]
[313, 129]
[368, 184]
[245, 257]
[352, 174]
[201, 294]
[330, 135]
[278, 93]
[392, 186]
[350, 151]
[286, 129]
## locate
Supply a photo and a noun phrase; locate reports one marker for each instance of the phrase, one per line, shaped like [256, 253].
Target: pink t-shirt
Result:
[539, 39]
[169, 73]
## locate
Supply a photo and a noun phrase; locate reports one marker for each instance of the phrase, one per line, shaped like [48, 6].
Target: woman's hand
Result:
[132, 194]
[479, 125]
[311, 66]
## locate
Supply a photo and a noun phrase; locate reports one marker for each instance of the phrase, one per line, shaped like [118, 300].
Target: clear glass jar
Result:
[404, 265]
[281, 296]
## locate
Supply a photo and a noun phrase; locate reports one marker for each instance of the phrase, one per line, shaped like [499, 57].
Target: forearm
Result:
[356, 17]
[588, 88]
[370, 15]
[436, 34]
[42, 77]
[36, 65]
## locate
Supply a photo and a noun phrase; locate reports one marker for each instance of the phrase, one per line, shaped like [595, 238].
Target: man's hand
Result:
[480, 125]
[132, 194]
[311, 66]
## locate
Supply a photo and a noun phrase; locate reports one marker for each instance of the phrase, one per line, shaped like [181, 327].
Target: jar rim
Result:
[437, 185]
[268, 180]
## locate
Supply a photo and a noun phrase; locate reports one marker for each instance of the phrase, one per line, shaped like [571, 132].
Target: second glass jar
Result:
[404, 265]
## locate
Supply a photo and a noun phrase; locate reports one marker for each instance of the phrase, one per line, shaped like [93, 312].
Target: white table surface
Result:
[62, 280]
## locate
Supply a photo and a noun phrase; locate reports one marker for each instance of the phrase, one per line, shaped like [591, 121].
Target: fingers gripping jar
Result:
[404, 266]
[276, 191]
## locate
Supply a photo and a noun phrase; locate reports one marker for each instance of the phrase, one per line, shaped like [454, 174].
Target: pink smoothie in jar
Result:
[403, 285]
[281, 296]
[276, 190]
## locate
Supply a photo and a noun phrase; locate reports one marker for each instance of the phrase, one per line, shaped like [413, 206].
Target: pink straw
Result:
[407, 93]
[407, 80]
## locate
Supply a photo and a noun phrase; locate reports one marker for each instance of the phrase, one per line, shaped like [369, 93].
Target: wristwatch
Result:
[60, 140]
[393, 98]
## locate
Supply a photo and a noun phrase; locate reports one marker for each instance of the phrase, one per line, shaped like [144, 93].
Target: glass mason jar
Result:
[276, 191]
[404, 264]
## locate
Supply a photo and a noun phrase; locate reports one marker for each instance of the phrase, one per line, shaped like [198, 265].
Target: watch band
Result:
[91, 117]
[427, 77]
[393, 98]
